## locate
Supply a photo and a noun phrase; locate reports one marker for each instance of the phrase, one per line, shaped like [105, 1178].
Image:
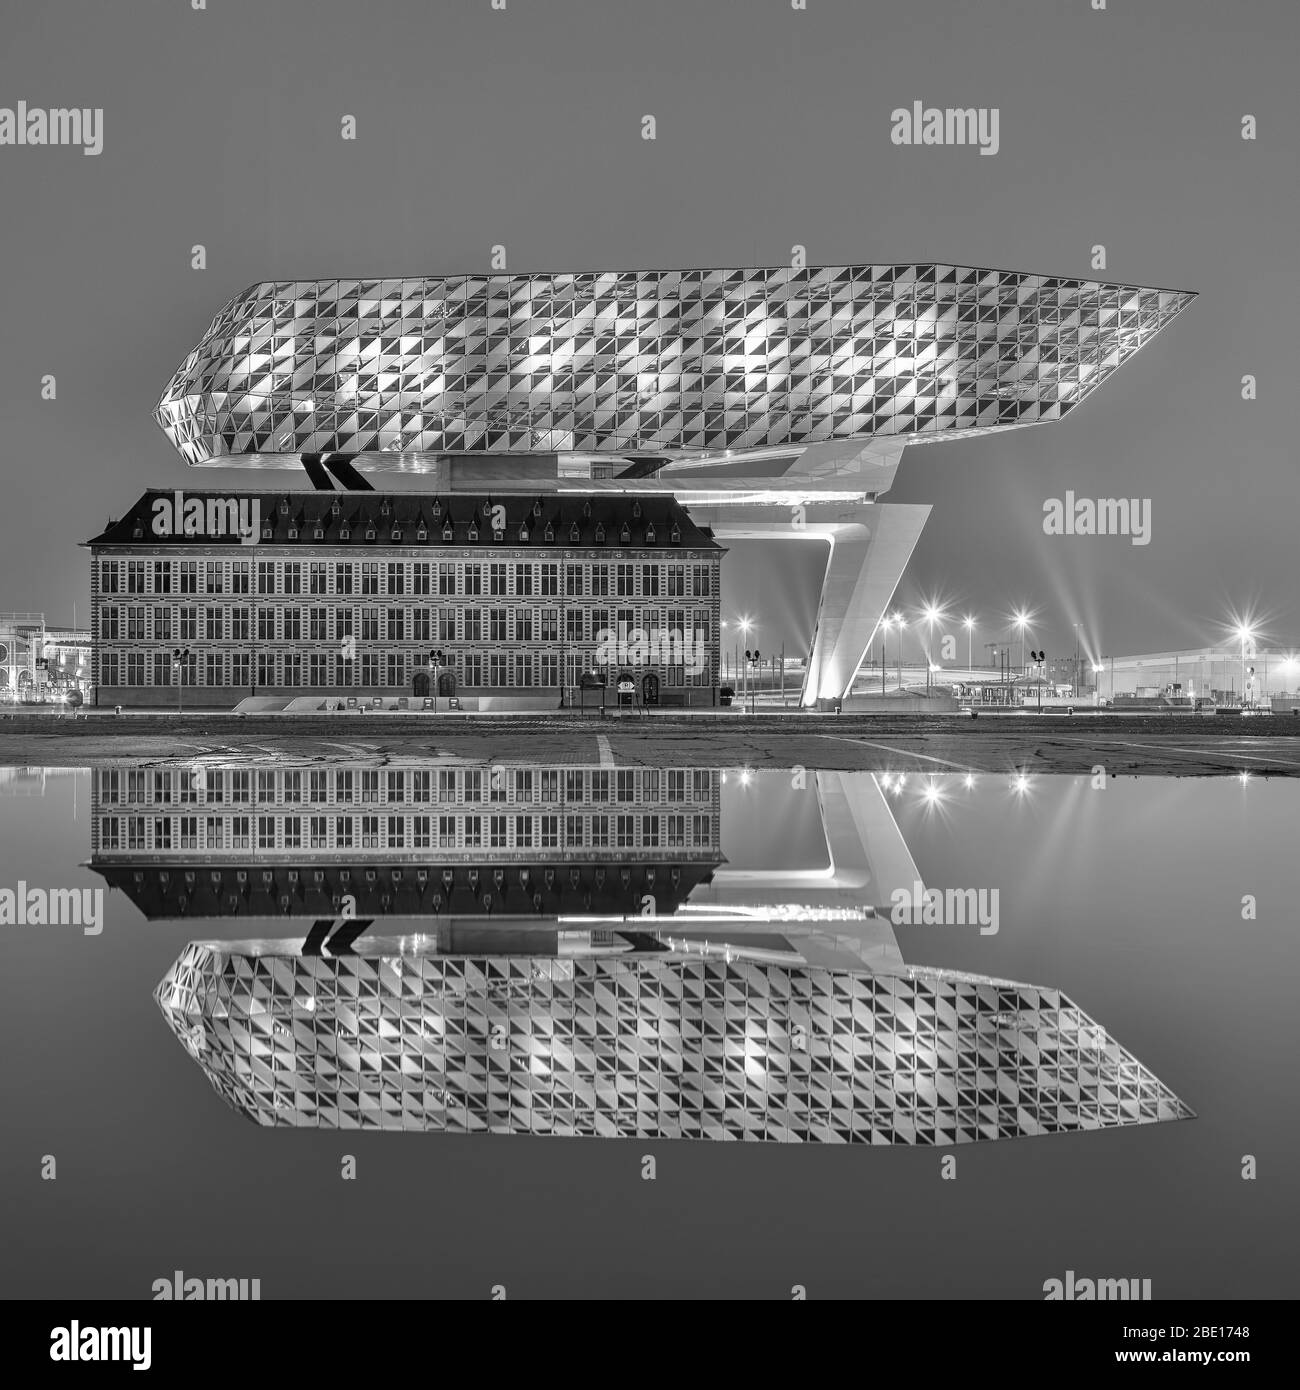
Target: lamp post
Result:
[902, 623]
[1022, 622]
[752, 660]
[969, 625]
[930, 613]
[744, 624]
[1246, 634]
[179, 656]
[435, 661]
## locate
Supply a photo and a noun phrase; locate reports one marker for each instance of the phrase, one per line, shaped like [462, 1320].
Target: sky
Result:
[478, 127]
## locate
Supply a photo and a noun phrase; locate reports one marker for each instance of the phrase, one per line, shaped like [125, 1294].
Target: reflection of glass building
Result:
[519, 596]
[574, 950]
[752, 396]
[648, 1043]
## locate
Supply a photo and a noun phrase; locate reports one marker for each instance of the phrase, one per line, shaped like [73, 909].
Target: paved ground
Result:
[1152, 745]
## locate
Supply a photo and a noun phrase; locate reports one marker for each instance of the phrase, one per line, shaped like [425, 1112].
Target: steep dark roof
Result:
[315, 889]
[369, 519]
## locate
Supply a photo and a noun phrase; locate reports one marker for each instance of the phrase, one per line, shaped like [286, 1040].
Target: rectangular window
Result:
[523, 624]
[447, 579]
[239, 577]
[266, 576]
[420, 577]
[214, 576]
[523, 581]
[162, 577]
[293, 624]
[266, 624]
[108, 576]
[162, 624]
[292, 577]
[396, 577]
[573, 581]
[240, 624]
[343, 579]
[550, 580]
[370, 576]
[421, 626]
[189, 574]
[319, 577]
[212, 624]
[396, 627]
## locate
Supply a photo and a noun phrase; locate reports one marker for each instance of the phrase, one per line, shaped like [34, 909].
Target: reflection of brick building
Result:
[350, 594]
[406, 841]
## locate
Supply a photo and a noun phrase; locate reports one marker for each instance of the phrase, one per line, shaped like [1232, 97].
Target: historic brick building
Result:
[503, 601]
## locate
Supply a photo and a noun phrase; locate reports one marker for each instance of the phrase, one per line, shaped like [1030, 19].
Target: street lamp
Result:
[901, 623]
[930, 613]
[744, 624]
[1022, 622]
[1247, 634]
[179, 655]
[752, 659]
[969, 625]
[435, 661]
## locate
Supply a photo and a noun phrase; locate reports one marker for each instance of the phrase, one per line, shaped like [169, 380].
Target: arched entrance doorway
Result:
[625, 688]
[446, 682]
[650, 689]
[420, 685]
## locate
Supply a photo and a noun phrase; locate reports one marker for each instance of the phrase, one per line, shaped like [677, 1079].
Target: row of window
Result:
[445, 578]
[139, 622]
[448, 785]
[553, 831]
[320, 670]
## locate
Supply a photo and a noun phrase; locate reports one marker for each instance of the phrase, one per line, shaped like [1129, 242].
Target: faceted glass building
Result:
[750, 395]
[647, 362]
[649, 1043]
